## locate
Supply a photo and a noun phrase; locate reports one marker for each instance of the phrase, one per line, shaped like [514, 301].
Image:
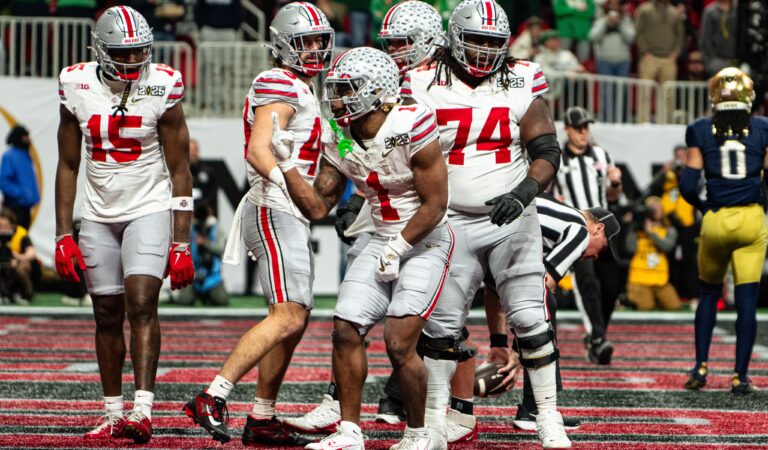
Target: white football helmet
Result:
[121, 29]
[417, 23]
[362, 79]
[479, 20]
[289, 36]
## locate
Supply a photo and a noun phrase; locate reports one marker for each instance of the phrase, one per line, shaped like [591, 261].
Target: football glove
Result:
[67, 251]
[389, 260]
[180, 266]
[282, 145]
[346, 216]
[508, 207]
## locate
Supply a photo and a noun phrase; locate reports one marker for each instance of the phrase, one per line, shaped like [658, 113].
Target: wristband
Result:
[182, 203]
[399, 244]
[286, 165]
[499, 340]
[60, 237]
[180, 246]
[527, 190]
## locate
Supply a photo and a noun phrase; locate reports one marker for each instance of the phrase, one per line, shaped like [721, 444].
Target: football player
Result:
[274, 230]
[569, 235]
[411, 34]
[730, 147]
[138, 188]
[397, 164]
[488, 109]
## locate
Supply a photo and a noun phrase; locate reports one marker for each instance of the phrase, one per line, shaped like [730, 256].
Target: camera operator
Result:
[649, 241]
[683, 263]
[19, 267]
[207, 246]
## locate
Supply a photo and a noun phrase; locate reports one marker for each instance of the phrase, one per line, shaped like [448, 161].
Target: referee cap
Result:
[576, 116]
[612, 229]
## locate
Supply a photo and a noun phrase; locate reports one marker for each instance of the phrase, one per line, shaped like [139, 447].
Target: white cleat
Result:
[413, 441]
[461, 427]
[549, 425]
[347, 437]
[323, 418]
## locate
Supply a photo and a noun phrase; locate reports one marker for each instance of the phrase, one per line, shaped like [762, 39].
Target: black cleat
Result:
[270, 432]
[599, 352]
[526, 420]
[210, 413]
[739, 387]
[697, 378]
[390, 411]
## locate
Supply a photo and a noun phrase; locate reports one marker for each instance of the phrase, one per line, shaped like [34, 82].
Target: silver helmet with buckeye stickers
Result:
[361, 79]
[416, 23]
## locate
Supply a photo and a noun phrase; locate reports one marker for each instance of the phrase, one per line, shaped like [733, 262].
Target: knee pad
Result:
[444, 348]
[538, 348]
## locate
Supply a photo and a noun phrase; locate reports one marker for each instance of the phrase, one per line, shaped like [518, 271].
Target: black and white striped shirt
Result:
[583, 179]
[564, 235]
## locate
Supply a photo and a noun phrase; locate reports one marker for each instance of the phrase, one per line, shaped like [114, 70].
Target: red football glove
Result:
[66, 251]
[180, 265]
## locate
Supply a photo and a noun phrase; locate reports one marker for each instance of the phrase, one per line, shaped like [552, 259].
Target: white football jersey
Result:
[479, 130]
[281, 86]
[383, 171]
[126, 175]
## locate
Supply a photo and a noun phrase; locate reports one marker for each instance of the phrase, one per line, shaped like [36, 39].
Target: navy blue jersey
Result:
[733, 170]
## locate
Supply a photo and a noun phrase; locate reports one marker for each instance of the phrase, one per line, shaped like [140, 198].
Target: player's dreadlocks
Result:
[730, 124]
[446, 64]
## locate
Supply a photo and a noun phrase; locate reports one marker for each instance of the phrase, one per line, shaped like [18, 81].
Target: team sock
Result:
[706, 315]
[746, 325]
[143, 402]
[220, 387]
[463, 405]
[263, 409]
[114, 405]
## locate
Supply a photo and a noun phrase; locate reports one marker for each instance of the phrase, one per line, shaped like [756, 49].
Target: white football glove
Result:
[389, 260]
[282, 145]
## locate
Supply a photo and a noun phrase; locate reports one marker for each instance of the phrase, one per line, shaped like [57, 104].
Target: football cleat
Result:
[210, 413]
[697, 378]
[549, 426]
[414, 441]
[138, 427]
[347, 437]
[390, 411]
[739, 387]
[323, 418]
[526, 420]
[460, 427]
[107, 427]
[270, 432]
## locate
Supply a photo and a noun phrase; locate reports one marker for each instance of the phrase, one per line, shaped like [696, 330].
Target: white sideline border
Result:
[224, 312]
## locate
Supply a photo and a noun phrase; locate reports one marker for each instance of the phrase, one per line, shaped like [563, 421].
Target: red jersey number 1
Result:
[388, 213]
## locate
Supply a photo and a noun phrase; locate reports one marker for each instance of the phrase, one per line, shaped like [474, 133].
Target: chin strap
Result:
[121, 108]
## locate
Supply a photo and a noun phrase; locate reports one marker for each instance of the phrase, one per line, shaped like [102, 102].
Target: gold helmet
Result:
[731, 89]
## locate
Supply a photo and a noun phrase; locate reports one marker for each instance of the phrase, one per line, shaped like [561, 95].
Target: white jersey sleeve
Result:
[126, 175]
[176, 93]
[281, 86]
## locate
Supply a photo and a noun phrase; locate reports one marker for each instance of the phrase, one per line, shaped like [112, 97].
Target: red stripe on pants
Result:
[274, 256]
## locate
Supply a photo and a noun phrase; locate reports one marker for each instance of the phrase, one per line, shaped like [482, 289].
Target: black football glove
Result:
[346, 216]
[508, 207]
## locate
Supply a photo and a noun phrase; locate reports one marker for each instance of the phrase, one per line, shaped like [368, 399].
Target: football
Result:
[488, 380]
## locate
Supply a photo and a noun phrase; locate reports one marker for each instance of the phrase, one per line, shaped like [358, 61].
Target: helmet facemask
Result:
[109, 59]
[317, 56]
[355, 94]
[480, 54]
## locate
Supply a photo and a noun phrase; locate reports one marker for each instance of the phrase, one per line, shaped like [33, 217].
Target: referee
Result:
[588, 179]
